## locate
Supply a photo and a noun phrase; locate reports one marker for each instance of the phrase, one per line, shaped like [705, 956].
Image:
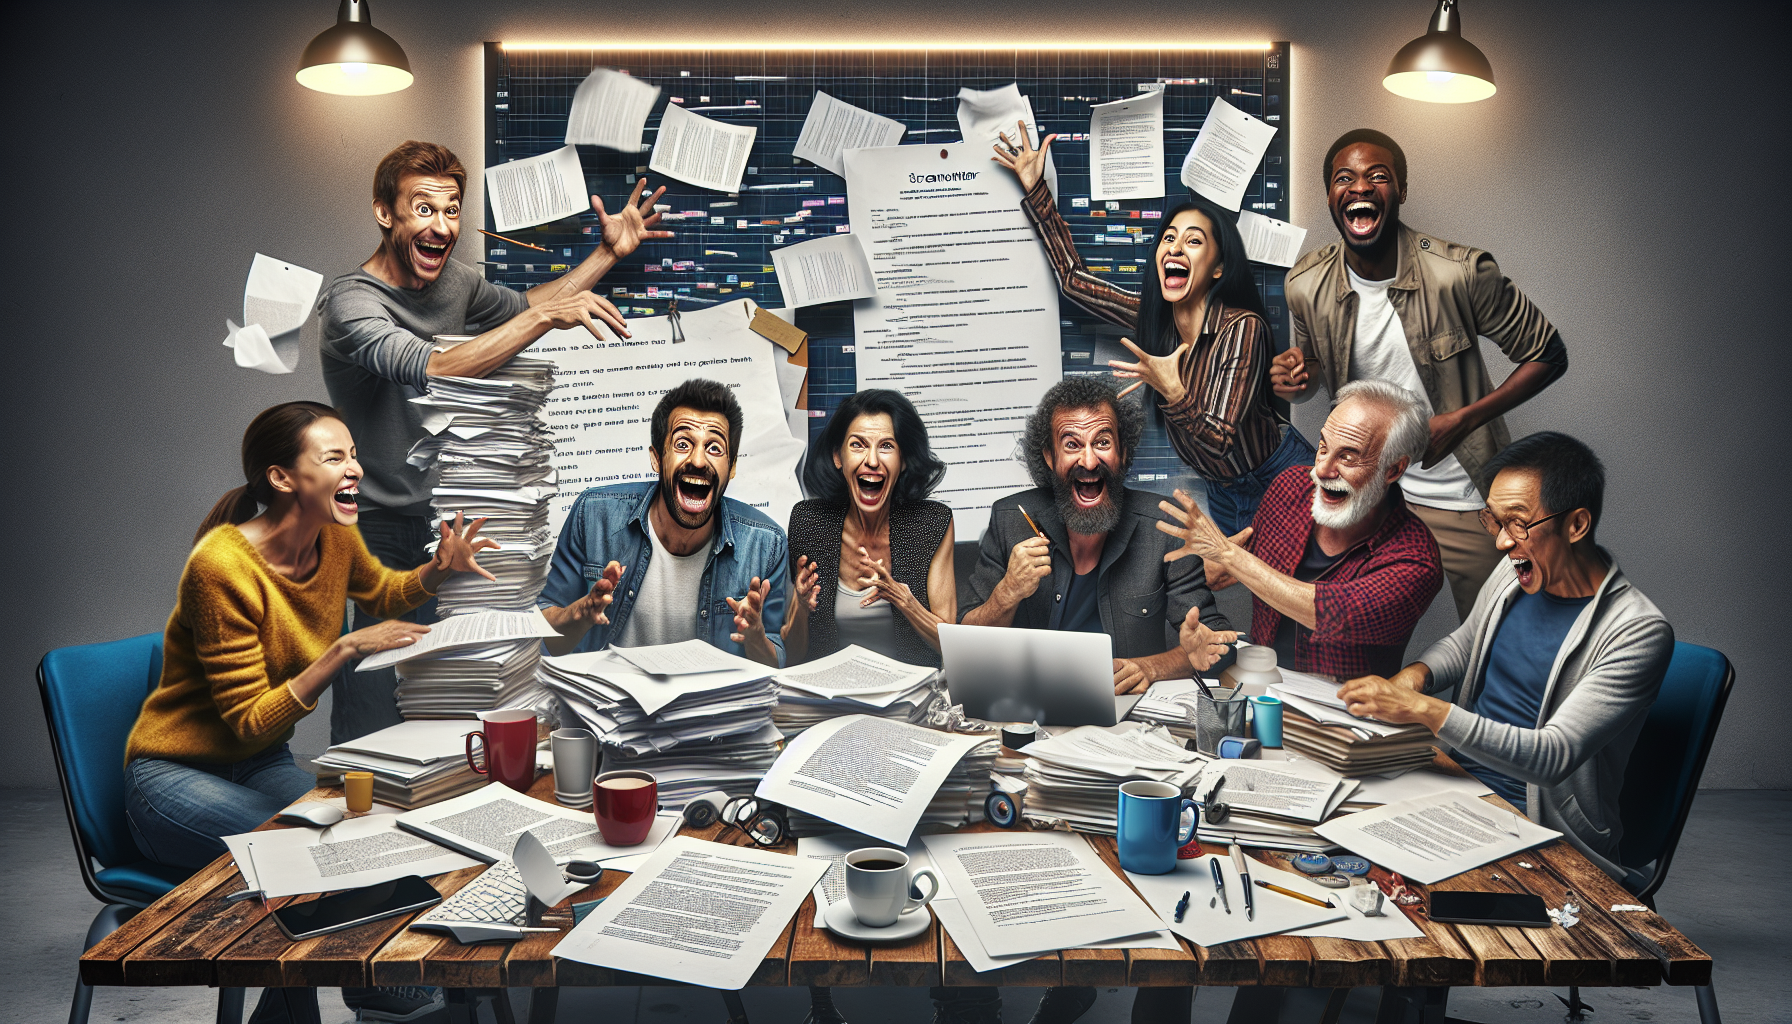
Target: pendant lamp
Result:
[1441, 66]
[353, 58]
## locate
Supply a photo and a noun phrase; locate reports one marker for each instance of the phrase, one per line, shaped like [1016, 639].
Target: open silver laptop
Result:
[1049, 676]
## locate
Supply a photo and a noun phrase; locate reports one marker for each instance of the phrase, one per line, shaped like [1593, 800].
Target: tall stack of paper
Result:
[1316, 725]
[490, 452]
[1276, 804]
[696, 731]
[1075, 776]
[467, 663]
[413, 763]
[853, 681]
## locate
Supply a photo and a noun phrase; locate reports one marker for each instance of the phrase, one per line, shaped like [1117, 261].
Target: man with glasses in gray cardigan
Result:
[1558, 662]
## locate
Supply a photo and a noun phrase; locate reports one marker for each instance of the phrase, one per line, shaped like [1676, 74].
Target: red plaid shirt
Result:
[1367, 603]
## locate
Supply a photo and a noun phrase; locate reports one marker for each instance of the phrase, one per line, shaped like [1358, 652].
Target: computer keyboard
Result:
[497, 896]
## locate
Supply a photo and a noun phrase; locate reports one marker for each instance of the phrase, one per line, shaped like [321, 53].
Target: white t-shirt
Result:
[1380, 353]
[872, 628]
[665, 609]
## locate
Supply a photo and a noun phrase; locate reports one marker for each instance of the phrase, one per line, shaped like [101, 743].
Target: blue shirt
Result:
[609, 524]
[1082, 613]
[1518, 666]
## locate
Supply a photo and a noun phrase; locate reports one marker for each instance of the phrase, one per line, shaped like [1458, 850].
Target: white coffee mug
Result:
[575, 765]
[878, 881]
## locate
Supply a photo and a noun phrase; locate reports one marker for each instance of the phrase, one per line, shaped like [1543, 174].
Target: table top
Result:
[192, 936]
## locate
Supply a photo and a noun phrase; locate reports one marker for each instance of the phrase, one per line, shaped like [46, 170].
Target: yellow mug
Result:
[358, 787]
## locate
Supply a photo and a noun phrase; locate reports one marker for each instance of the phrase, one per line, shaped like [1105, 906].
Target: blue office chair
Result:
[91, 696]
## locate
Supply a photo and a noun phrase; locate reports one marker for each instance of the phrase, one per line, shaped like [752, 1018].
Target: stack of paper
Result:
[1171, 704]
[1075, 776]
[696, 731]
[1275, 804]
[853, 681]
[1316, 725]
[490, 452]
[413, 763]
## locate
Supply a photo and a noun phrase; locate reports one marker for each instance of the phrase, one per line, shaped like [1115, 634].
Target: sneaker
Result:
[967, 1012]
[1063, 1004]
[394, 1005]
[821, 1007]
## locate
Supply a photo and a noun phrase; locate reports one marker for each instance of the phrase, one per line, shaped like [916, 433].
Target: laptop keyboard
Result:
[497, 896]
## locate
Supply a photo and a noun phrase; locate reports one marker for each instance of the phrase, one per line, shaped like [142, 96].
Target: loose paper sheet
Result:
[1377, 789]
[984, 115]
[689, 657]
[486, 823]
[536, 189]
[463, 631]
[277, 298]
[610, 110]
[1212, 926]
[866, 774]
[826, 269]
[352, 853]
[965, 320]
[706, 153]
[1226, 153]
[1126, 148]
[696, 912]
[853, 671]
[1038, 891]
[1432, 837]
[835, 126]
[958, 925]
[1268, 240]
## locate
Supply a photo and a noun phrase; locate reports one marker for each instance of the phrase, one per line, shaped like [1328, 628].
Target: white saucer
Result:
[843, 922]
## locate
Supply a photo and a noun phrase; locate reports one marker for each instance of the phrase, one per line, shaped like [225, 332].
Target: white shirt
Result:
[665, 608]
[872, 628]
[1380, 353]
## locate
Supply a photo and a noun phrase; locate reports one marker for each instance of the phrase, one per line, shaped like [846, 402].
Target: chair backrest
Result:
[1663, 774]
[92, 694]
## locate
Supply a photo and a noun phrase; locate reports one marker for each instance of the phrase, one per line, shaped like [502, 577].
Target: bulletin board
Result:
[723, 243]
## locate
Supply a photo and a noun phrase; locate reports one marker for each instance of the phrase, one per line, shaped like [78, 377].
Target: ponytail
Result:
[274, 438]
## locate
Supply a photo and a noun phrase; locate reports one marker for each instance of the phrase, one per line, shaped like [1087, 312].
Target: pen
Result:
[1182, 906]
[1036, 530]
[512, 241]
[1130, 388]
[1296, 895]
[1244, 880]
[1219, 883]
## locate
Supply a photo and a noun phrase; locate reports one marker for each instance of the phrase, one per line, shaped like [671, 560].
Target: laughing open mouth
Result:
[348, 501]
[1523, 567]
[694, 491]
[1175, 273]
[1332, 494]
[430, 254]
[1362, 217]
[870, 489]
[1088, 491]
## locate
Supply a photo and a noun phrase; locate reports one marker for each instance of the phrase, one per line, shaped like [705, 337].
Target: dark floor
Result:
[1729, 892]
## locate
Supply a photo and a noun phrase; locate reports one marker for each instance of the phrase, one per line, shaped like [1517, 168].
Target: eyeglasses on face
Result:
[1516, 530]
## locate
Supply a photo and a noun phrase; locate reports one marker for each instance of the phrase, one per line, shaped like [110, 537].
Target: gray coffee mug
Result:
[575, 765]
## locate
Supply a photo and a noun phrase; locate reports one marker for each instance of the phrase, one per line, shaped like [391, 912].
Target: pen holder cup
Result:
[1217, 719]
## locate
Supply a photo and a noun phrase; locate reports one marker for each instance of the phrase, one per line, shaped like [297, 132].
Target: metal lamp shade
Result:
[1441, 66]
[352, 58]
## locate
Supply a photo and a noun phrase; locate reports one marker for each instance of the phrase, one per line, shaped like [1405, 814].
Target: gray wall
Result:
[1625, 175]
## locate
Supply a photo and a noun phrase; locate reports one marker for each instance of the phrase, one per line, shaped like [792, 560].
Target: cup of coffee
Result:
[879, 885]
[357, 790]
[575, 764]
[1150, 826]
[625, 802]
[508, 743]
[1266, 720]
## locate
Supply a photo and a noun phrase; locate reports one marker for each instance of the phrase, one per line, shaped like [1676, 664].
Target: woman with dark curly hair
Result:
[870, 554]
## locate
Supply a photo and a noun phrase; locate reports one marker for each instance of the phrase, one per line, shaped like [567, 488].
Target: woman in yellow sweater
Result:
[256, 636]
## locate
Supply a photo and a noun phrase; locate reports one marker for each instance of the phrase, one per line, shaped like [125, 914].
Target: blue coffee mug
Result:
[1266, 713]
[1150, 826]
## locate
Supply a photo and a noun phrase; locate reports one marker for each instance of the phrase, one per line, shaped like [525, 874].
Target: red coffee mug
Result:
[625, 803]
[508, 744]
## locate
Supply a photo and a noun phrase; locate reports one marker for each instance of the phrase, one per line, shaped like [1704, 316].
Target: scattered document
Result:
[653, 693]
[965, 320]
[1072, 776]
[835, 126]
[602, 408]
[1226, 153]
[825, 269]
[705, 153]
[536, 189]
[1294, 790]
[420, 742]
[464, 631]
[958, 925]
[984, 115]
[865, 676]
[1212, 926]
[351, 853]
[486, 823]
[1032, 892]
[1268, 240]
[1432, 837]
[696, 912]
[277, 299]
[689, 657]
[866, 774]
[1126, 148]
[610, 110]
[1377, 789]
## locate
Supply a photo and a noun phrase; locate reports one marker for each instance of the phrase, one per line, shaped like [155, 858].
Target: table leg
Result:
[230, 1006]
[1254, 1004]
[1334, 1006]
[1412, 1005]
[501, 1006]
[544, 1003]
[462, 1007]
[301, 1005]
[1707, 997]
[737, 1010]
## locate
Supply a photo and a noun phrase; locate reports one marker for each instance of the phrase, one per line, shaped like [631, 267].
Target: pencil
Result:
[1036, 530]
[1130, 388]
[1297, 895]
[512, 241]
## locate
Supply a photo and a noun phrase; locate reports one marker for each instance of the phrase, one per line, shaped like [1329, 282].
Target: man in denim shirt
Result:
[658, 563]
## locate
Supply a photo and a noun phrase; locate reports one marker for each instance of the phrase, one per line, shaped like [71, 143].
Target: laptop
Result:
[1049, 676]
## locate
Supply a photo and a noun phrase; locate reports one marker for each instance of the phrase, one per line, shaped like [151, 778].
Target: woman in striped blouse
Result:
[1203, 346]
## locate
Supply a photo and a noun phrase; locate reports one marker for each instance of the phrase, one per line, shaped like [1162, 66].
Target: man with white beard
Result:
[1340, 570]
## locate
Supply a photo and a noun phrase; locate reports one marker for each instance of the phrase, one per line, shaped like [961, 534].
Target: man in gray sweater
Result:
[1558, 662]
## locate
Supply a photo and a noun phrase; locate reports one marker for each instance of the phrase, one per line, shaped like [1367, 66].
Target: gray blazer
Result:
[1604, 681]
[1141, 597]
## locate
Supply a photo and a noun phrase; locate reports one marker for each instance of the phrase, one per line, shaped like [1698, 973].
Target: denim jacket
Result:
[610, 524]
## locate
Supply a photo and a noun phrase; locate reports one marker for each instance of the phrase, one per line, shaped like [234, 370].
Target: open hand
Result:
[456, 552]
[1198, 533]
[581, 309]
[1027, 163]
[808, 589]
[1288, 374]
[624, 232]
[1162, 373]
[593, 609]
[749, 624]
[381, 636]
[1204, 646]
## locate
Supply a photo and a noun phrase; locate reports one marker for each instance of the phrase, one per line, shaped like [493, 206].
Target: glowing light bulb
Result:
[354, 69]
[1439, 77]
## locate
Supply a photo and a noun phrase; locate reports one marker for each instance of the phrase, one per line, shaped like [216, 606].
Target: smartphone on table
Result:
[355, 906]
[1522, 909]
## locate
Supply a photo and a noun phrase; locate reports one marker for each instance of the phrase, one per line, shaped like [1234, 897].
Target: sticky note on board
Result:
[779, 333]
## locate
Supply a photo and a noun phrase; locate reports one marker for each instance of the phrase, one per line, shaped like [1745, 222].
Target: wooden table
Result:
[193, 937]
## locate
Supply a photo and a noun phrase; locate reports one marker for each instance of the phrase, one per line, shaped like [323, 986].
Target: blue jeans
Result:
[179, 810]
[1233, 503]
[364, 702]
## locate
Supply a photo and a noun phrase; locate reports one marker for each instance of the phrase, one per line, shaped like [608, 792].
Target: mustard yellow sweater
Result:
[240, 631]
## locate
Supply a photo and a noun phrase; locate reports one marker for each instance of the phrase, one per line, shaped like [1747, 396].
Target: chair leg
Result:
[462, 1007]
[1334, 1006]
[544, 1003]
[111, 917]
[1412, 1005]
[737, 1010]
[501, 1009]
[1707, 997]
[1255, 1004]
[230, 1006]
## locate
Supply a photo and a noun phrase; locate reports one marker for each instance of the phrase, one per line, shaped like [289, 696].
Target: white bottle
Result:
[1254, 670]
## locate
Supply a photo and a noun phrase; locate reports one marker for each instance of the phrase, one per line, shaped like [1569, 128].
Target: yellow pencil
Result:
[512, 241]
[1036, 530]
[1297, 895]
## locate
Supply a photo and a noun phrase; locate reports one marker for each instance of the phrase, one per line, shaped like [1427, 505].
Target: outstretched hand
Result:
[458, 550]
[808, 588]
[593, 609]
[875, 574]
[1162, 373]
[1201, 645]
[749, 622]
[625, 231]
[1027, 163]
